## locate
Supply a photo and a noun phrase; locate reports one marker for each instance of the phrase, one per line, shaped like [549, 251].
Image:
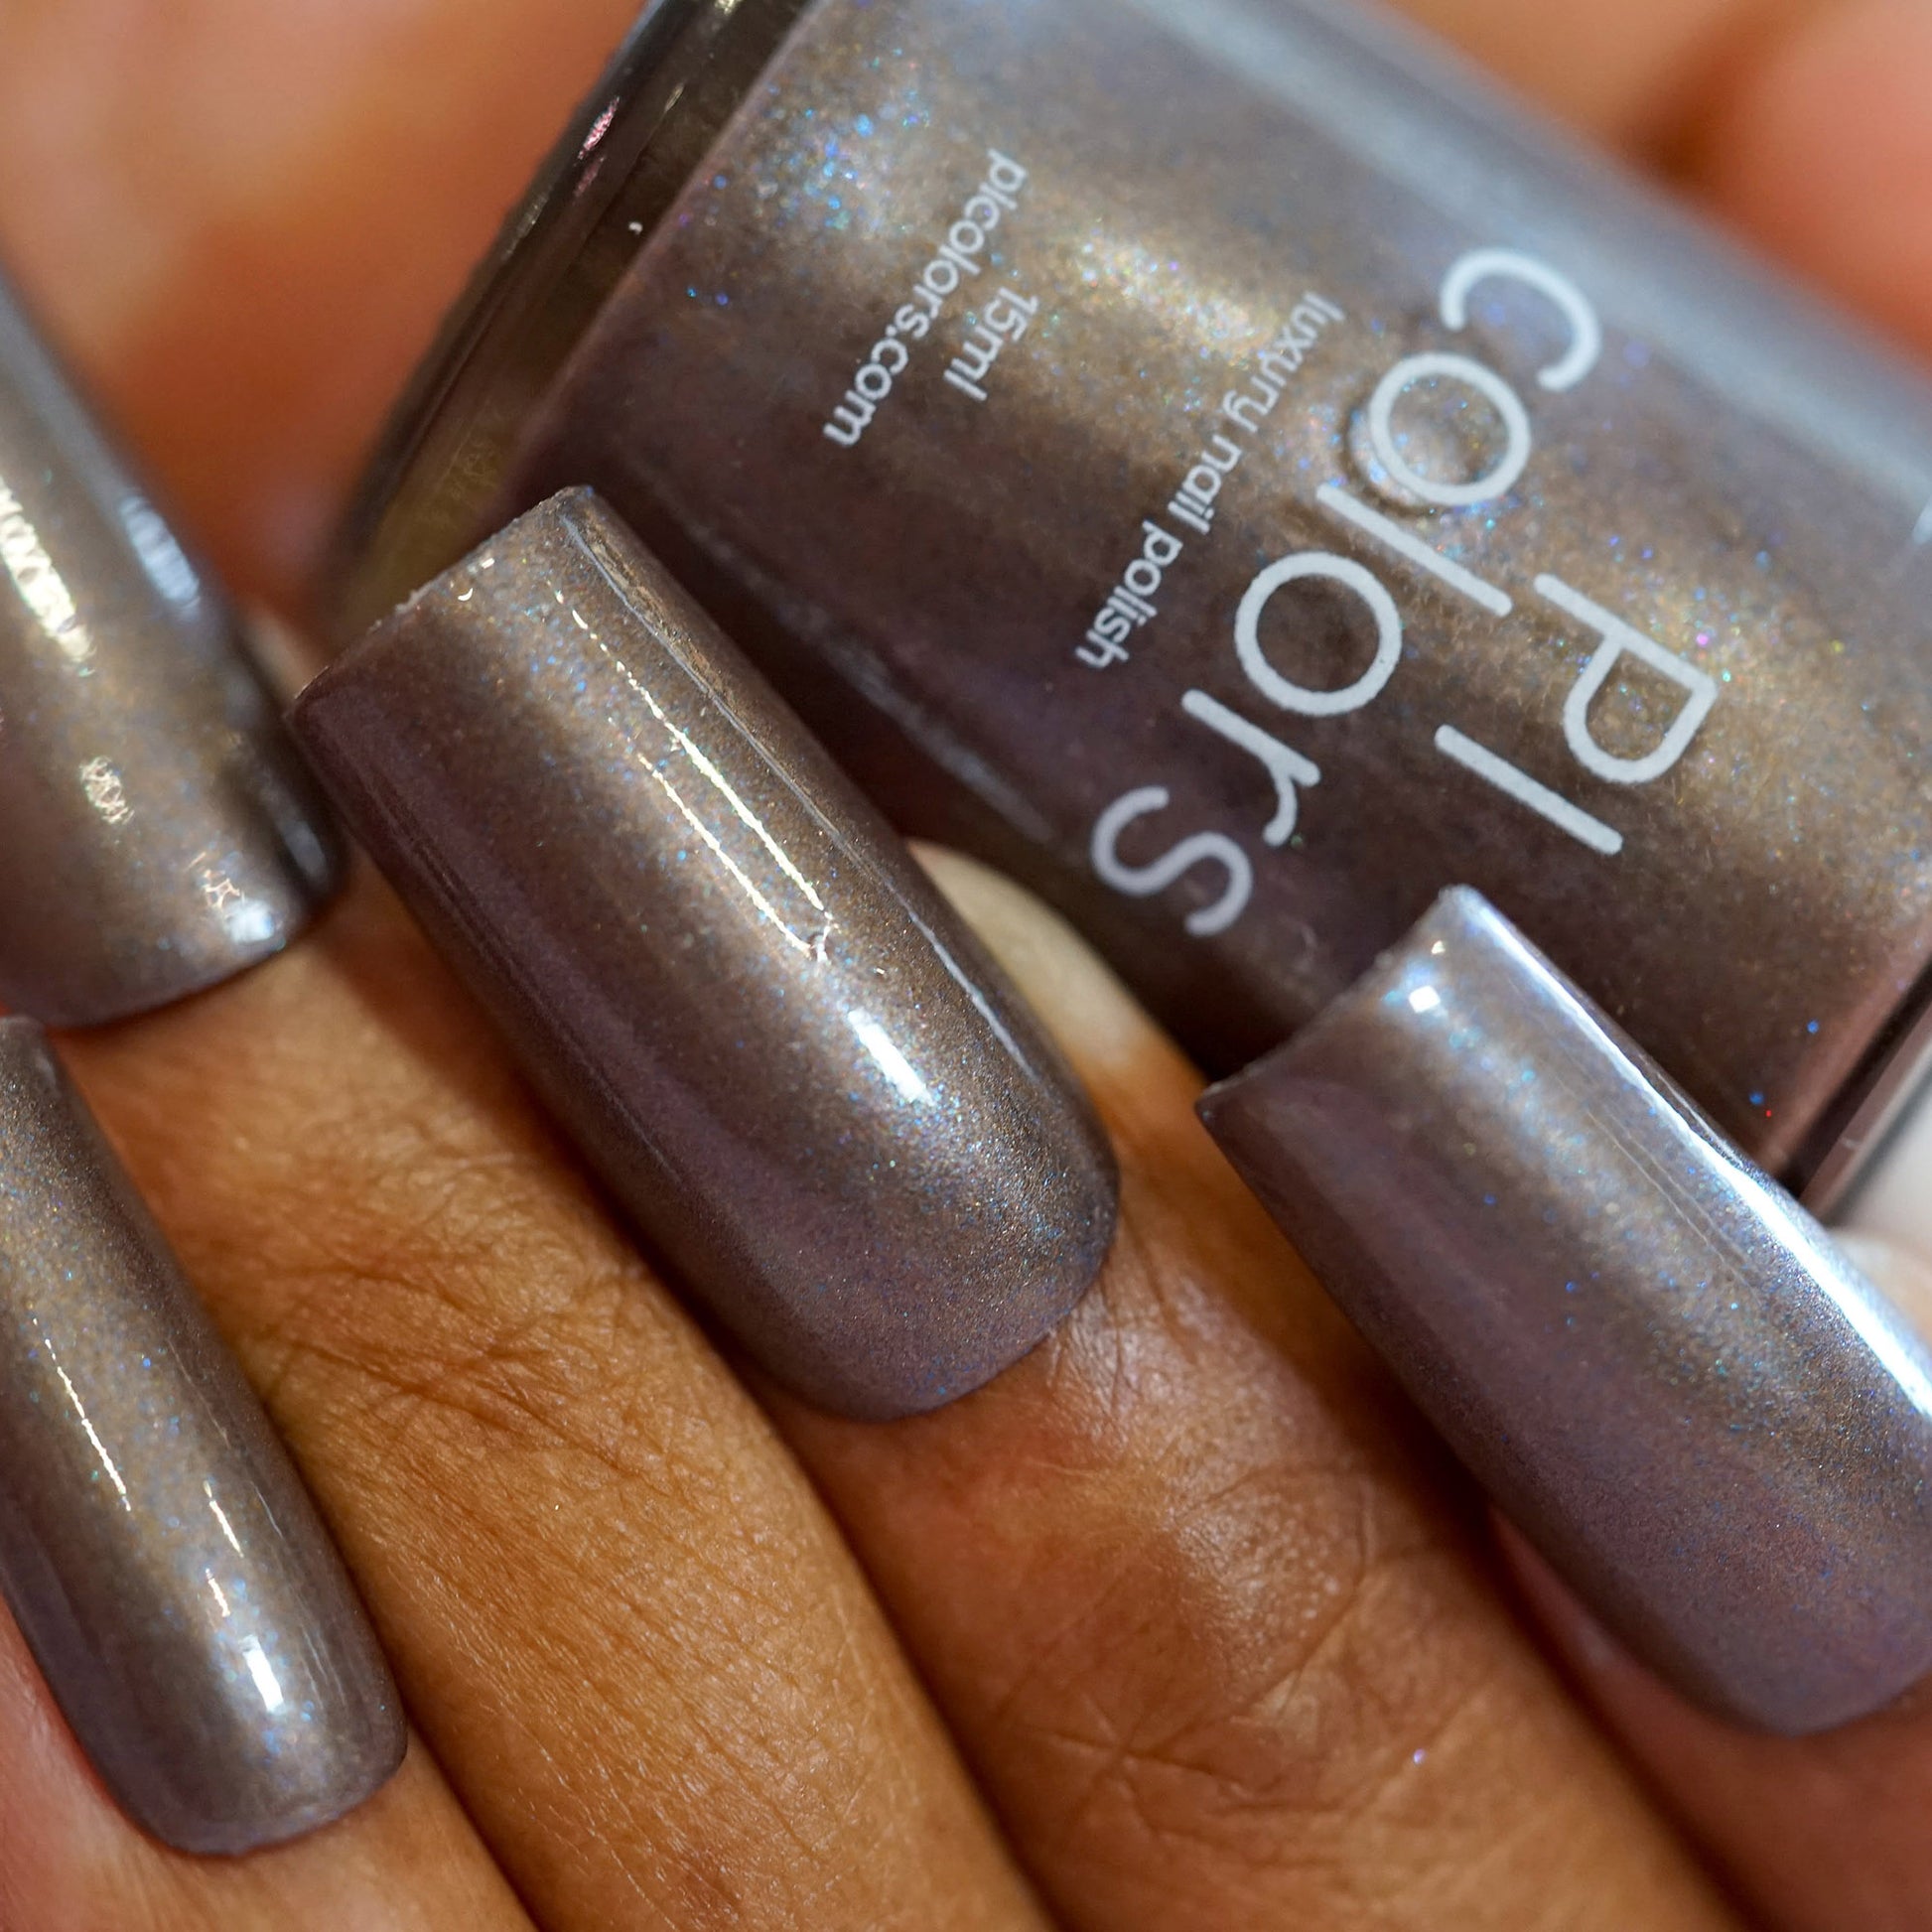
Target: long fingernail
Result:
[1659, 1365]
[787, 1058]
[160, 831]
[159, 1552]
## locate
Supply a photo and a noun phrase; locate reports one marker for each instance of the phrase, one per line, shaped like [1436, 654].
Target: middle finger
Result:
[1221, 1640]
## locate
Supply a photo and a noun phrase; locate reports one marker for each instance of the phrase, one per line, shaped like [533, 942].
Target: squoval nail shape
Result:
[1655, 1361]
[160, 831]
[185, 1605]
[790, 1061]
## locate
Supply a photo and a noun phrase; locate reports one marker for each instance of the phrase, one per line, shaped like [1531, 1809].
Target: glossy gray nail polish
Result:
[165, 1564]
[786, 1055]
[159, 830]
[1656, 1362]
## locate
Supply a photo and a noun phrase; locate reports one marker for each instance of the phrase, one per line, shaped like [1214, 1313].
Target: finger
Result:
[637, 1645]
[70, 1862]
[1822, 149]
[1824, 1834]
[1192, 1597]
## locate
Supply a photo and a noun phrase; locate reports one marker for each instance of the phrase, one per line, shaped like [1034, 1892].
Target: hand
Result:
[1183, 1622]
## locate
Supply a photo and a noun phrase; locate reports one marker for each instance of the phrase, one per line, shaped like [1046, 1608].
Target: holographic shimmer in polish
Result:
[186, 1607]
[781, 1049]
[1622, 621]
[1649, 1355]
[157, 831]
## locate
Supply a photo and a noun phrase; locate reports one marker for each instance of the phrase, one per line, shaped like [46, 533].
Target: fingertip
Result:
[1097, 1021]
[1821, 150]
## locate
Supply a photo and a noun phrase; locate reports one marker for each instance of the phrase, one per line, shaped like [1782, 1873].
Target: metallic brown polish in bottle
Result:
[1650, 1355]
[776, 1042]
[186, 1607]
[1034, 389]
[157, 830]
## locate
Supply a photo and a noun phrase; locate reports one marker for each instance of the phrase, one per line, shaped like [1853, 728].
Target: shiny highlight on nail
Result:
[161, 833]
[1657, 1363]
[185, 1605]
[772, 1038]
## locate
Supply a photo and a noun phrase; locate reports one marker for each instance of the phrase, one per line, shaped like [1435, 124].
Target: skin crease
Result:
[1186, 1586]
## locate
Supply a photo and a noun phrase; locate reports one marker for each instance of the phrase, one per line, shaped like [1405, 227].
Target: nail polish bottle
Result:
[1228, 467]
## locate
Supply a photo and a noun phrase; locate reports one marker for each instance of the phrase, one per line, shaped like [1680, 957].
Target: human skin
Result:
[1185, 1620]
